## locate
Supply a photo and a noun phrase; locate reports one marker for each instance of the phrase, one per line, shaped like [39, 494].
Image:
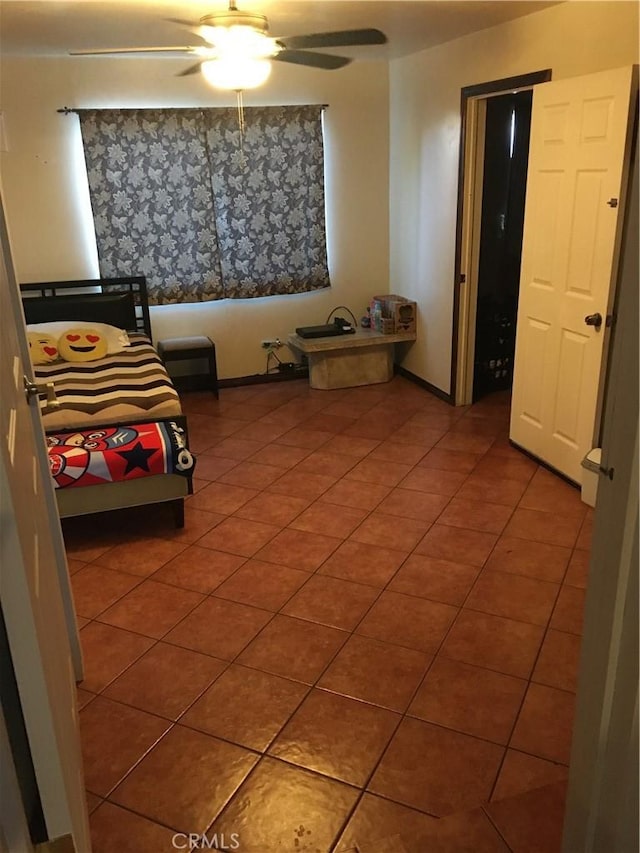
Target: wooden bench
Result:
[345, 361]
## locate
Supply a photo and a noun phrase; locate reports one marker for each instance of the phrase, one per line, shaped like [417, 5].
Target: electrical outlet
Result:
[276, 343]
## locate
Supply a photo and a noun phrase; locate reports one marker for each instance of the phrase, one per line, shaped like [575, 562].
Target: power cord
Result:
[271, 353]
[343, 308]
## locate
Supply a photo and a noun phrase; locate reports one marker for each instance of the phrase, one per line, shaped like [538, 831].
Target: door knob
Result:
[40, 389]
[594, 320]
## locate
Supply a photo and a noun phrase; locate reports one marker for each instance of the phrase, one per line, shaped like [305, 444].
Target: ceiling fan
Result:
[236, 48]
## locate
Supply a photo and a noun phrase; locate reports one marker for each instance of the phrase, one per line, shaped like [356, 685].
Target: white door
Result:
[578, 161]
[31, 594]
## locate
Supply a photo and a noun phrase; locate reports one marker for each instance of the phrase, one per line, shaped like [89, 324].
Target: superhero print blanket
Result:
[95, 456]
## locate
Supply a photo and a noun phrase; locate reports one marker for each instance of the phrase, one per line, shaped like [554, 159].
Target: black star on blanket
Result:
[137, 457]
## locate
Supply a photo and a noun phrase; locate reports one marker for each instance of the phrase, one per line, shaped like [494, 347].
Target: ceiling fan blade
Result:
[313, 60]
[192, 69]
[341, 38]
[124, 50]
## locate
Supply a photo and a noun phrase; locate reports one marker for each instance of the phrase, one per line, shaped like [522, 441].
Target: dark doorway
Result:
[508, 123]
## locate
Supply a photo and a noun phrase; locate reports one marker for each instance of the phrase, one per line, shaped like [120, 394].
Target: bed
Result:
[114, 426]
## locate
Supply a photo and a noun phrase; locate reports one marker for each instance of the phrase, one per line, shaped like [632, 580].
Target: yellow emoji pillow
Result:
[82, 345]
[43, 348]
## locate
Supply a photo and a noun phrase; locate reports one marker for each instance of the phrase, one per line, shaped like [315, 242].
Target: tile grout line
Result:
[350, 633]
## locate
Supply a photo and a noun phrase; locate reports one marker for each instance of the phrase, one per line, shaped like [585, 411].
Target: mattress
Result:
[128, 386]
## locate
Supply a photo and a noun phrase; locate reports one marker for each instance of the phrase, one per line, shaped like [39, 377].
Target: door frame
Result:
[468, 220]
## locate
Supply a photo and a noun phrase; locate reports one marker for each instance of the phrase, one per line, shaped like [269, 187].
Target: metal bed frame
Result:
[120, 302]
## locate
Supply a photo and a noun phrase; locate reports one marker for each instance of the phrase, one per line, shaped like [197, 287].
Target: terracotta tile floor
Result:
[366, 637]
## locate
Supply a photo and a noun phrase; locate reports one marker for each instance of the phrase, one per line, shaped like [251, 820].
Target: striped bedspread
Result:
[133, 384]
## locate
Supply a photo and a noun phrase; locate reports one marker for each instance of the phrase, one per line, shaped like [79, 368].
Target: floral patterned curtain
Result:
[152, 202]
[180, 196]
[268, 186]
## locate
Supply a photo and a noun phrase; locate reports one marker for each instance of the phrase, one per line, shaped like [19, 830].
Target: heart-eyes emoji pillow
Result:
[43, 348]
[82, 345]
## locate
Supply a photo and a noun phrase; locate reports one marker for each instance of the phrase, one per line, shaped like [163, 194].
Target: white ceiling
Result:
[54, 27]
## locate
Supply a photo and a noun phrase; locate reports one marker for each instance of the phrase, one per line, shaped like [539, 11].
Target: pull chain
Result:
[240, 115]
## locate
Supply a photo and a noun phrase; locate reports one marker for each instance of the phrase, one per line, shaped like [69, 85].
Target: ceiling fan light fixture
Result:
[236, 72]
[239, 40]
[237, 49]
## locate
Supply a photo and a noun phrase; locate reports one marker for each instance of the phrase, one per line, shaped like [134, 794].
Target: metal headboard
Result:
[135, 309]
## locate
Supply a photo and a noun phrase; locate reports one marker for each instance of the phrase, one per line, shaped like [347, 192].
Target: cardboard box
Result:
[399, 309]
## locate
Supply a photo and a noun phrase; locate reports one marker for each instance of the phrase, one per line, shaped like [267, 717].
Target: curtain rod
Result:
[69, 110]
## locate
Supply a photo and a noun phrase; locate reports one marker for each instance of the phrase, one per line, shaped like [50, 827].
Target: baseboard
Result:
[437, 392]
[203, 383]
[63, 844]
[261, 378]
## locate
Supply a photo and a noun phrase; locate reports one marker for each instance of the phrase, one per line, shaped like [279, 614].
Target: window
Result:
[203, 211]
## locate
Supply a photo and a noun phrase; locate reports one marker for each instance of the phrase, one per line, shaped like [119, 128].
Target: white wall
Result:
[572, 38]
[47, 203]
